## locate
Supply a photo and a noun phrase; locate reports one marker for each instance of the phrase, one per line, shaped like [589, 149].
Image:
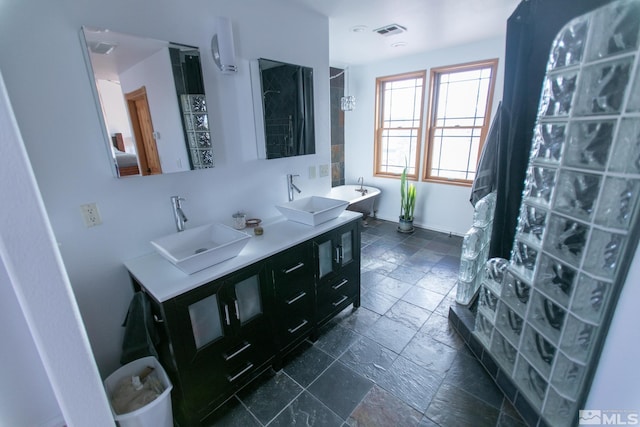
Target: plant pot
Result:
[405, 226]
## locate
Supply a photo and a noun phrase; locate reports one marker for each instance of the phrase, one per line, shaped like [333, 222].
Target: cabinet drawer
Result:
[336, 294]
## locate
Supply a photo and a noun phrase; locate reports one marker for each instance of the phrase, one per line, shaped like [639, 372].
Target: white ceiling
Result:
[431, 24]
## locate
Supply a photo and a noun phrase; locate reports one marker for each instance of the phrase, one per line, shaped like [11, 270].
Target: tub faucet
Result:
[291, 186]
[362, 190]
[178, 214]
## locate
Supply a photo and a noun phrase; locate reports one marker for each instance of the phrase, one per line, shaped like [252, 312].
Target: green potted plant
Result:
[407, 203]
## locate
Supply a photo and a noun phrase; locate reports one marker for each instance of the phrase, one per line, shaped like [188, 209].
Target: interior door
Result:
[142, 126]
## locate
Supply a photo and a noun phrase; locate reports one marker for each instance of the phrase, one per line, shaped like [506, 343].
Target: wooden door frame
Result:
[142, 126]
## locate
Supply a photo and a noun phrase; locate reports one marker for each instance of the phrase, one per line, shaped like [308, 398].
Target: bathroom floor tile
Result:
[391, 286]
[467, 373]
[423, 298]
[452, 406]
[435, 283]
[358, 320]
[335, 339]
[380, 408]
[408, 314]
[368, 358]
[439, 328]
[377, 301]
[266, 396]
[306, 411]
[391, 334]
[411, 383]
[305, 363]
[340, 389]
[407, 274]
[231, 414]
[430, 353]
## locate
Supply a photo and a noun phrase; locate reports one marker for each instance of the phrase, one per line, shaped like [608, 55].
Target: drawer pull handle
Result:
[226, 314]
[235, 302]
[237, 352]
[339, 285]
[239, 374]
[157, 319]
[302, 295]
[294, 268]
[294, 330]
[343, 299]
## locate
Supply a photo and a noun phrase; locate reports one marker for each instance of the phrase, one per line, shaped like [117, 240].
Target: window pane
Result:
[399, 124]
[459, 117]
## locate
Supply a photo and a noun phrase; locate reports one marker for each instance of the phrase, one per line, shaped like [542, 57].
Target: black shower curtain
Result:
[530, 32]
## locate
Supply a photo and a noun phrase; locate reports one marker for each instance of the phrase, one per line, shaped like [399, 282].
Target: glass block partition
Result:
[196, 126]
[544, 313]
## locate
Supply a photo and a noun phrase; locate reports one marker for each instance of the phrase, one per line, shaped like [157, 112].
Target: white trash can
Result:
[157, 413]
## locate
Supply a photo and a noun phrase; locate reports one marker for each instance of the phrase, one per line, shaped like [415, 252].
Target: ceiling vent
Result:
[390, 30]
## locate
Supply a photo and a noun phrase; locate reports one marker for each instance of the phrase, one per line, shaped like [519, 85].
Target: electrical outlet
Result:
[312, 172]
[323, 170]
[90, 214]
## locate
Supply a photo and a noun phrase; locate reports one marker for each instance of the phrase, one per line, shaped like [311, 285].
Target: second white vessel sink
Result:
[312, 210]
[197, 248]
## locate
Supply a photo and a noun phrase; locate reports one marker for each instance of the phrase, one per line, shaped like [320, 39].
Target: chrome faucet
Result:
[362, 190]
[291, 186]
[178, 214]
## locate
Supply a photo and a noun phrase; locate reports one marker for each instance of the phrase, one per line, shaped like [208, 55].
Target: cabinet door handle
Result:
[343, 299]
[294, 330]
[337, 254]
[235, 302]
[226, 315]
[294, 268]
[339, 285]
[239, 374]
[237, 352]
[157, 319]
[291, 301]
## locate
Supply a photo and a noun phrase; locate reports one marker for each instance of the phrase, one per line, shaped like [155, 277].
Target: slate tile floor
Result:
[395, 361]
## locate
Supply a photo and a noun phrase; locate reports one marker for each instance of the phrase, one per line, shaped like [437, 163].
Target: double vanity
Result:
[223, 325]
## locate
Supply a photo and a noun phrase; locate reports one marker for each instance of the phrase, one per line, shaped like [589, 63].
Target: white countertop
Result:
[164, 281]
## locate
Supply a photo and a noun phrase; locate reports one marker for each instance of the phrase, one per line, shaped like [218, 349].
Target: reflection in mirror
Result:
[283, 102]
[151, 96]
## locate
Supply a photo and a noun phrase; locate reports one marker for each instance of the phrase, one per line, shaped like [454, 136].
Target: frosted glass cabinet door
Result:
[346, 241]
[205, 320]
[249, 299]
[325, 259]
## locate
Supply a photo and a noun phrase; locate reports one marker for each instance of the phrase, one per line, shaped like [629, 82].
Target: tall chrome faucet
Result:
[291, 186]
[362, 190]
[178, 214]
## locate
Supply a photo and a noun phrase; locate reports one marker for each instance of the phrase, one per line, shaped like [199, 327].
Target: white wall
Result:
[48, 84]
[440, 207]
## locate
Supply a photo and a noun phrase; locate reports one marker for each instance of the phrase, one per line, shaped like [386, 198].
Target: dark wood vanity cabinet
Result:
[293, 283]
[337, 270]
[220, 333]
[217, 337]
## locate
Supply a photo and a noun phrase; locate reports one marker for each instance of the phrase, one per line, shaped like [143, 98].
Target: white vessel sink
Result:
[198, 248]
[312, 210]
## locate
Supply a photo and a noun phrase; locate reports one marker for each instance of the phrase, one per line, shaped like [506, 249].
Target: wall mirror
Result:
[284, 111]
[153, 107]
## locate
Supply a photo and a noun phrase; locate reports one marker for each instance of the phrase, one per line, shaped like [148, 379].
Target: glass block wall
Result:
[196, 125]
[546, 310]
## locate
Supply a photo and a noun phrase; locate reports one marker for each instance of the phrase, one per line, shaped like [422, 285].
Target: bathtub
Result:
[357, 201]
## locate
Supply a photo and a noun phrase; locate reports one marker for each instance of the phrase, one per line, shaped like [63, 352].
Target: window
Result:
[459, 110]
[399, 103]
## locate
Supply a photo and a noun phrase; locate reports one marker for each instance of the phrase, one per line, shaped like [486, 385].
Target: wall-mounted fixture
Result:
[222, 48]
[347, 102]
